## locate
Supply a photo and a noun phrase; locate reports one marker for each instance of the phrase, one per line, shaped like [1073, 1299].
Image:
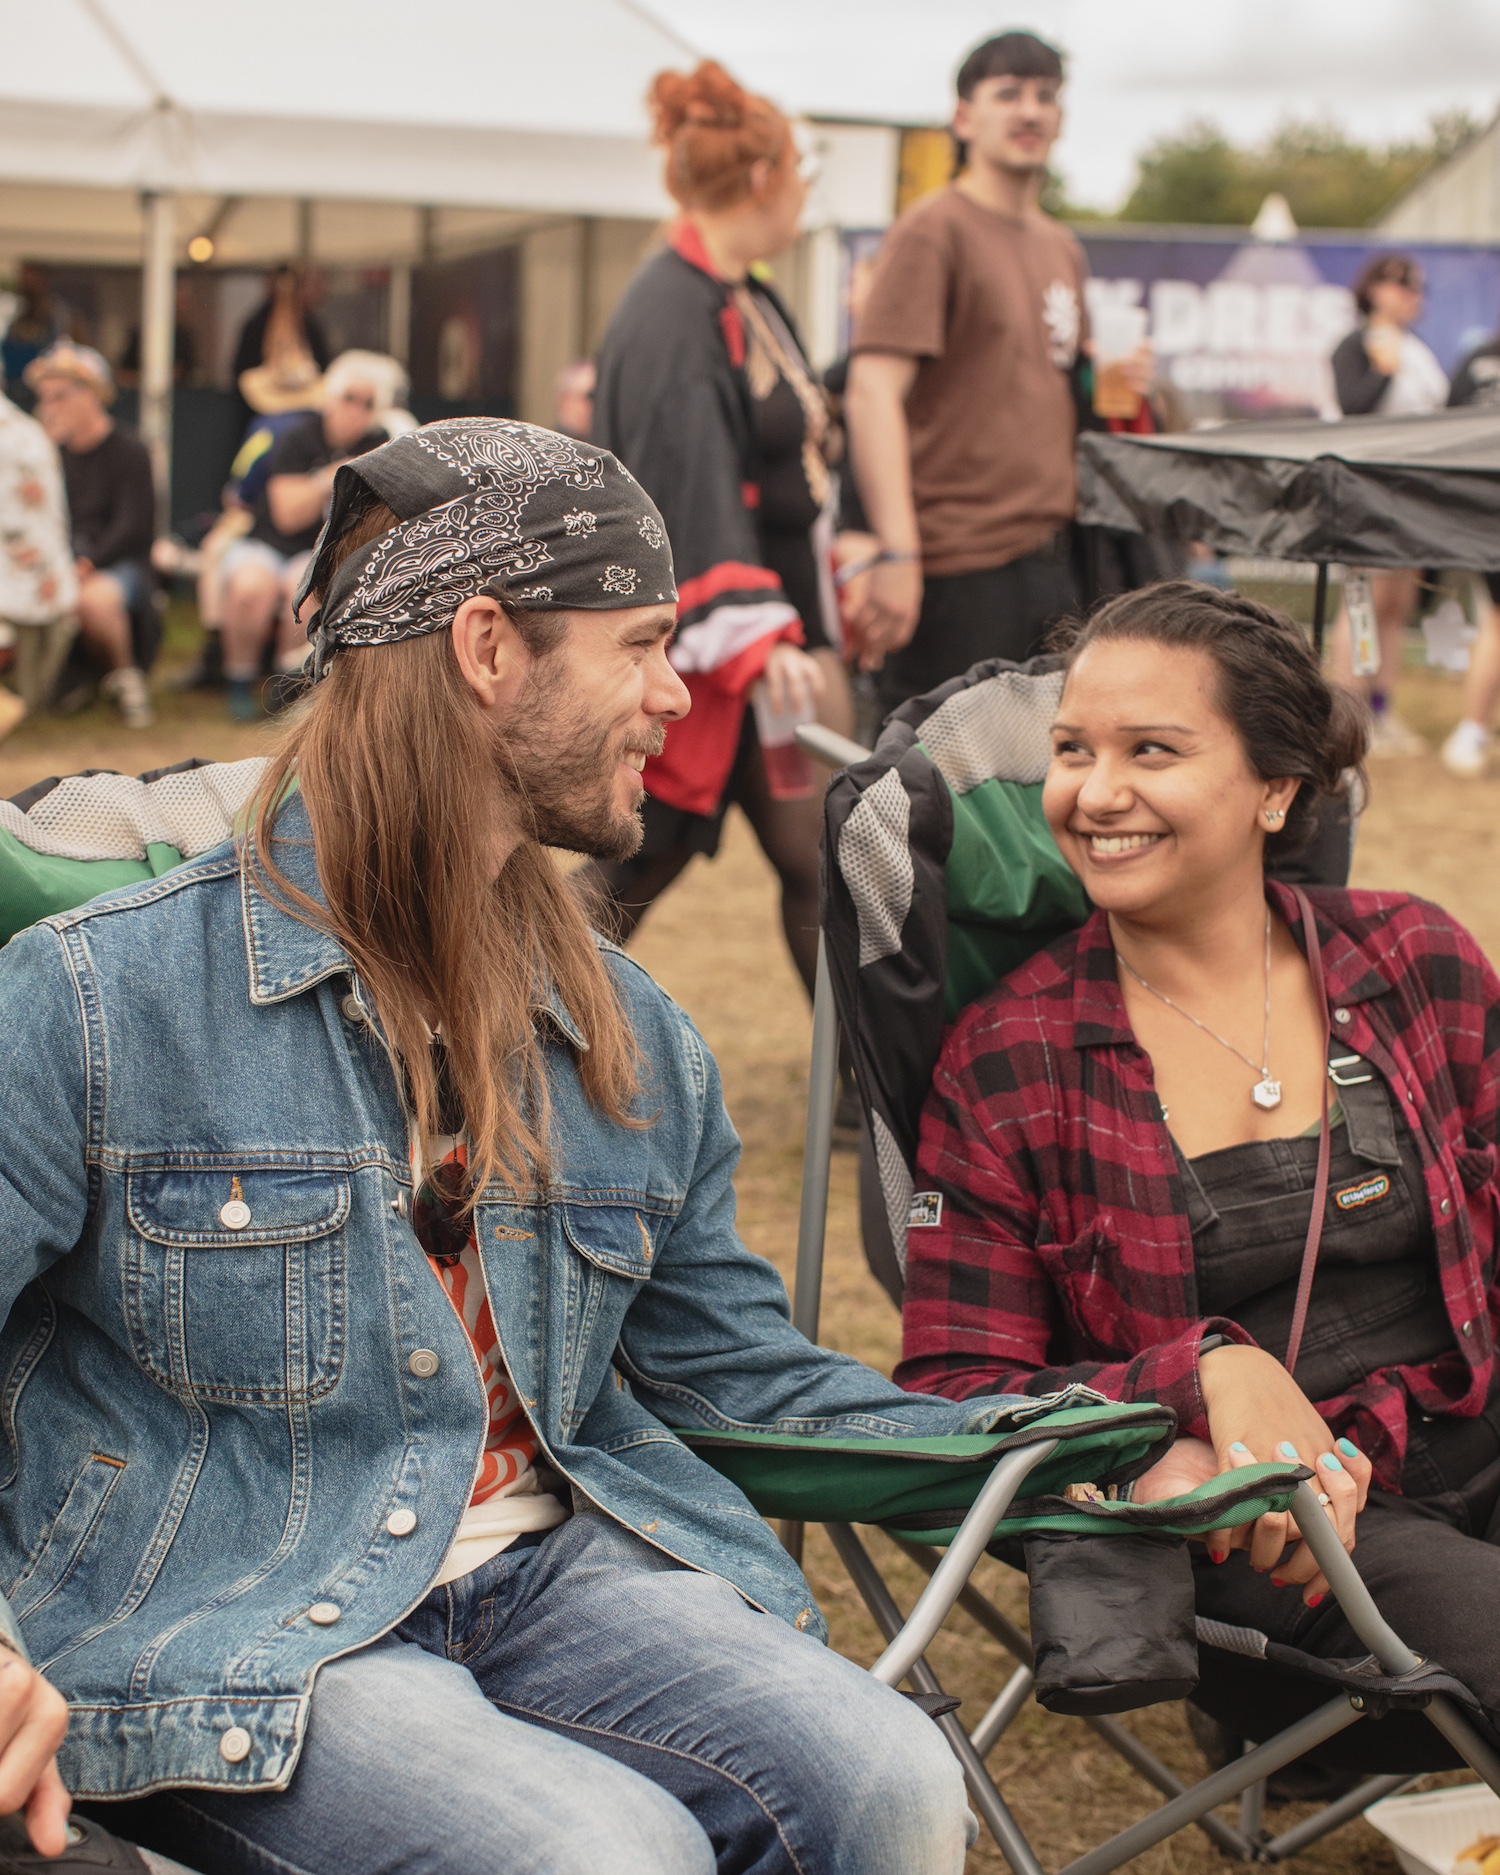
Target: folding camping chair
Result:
[940, 876]
[69, 839]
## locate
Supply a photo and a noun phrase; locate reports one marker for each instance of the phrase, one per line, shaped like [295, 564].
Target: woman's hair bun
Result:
[713, 132]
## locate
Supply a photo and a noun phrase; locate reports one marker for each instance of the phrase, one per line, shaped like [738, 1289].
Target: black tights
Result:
[619, 893]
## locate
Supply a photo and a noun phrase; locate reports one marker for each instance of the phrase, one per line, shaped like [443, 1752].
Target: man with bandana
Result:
[366, 1235]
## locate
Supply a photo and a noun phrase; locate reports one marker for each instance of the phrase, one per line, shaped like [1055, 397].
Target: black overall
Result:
[1430, 1554]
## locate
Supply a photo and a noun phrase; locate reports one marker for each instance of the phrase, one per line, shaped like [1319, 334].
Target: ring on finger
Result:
[1324, 1498]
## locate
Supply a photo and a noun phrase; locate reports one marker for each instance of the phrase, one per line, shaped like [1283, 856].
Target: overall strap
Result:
[1320, 1183]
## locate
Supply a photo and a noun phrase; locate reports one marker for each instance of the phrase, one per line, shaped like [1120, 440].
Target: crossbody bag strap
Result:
[1320, 1183]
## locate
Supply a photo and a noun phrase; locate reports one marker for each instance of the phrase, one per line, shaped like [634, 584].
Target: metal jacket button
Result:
[234, 1744]
[1466, 1328]
[401, 1204]
[401, 1522]
[1446, 1206]
[235, 1215]
[350, 1008]
[324, 1613]
[424, 1363]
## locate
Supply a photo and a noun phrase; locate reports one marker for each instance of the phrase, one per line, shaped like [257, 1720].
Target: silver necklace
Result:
[1266, 1092]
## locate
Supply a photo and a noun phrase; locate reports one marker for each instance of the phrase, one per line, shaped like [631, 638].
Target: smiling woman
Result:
[1215, 1136]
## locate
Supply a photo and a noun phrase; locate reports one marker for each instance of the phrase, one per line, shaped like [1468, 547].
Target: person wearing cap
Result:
[112, 502]
[367, 1236]
[261, 572]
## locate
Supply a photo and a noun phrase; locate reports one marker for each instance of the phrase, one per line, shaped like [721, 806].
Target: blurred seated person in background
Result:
[1382, 368]
[261, 572]
[112, 504]
[38, 585]
[1125, 1135]
[573, 398]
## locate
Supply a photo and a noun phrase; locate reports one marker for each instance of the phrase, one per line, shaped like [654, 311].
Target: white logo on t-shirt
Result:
[1061, 316]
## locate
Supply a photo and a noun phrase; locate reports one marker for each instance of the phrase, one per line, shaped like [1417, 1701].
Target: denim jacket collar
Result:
[287, 955]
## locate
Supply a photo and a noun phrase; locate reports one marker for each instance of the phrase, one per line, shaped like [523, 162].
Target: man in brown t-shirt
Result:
[960, 403]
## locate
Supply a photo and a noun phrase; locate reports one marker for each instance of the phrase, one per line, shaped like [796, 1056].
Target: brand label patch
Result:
[1366, 1192]
[926, 1210]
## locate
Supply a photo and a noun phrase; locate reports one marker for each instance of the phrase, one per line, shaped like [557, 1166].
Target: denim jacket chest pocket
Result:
[234, 1284]
[611, 1248]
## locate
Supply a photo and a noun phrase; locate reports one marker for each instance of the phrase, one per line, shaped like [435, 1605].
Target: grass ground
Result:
[714, 944]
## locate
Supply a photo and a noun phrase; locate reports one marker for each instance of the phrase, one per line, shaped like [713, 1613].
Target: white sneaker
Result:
[126, 689]
[1466, 752]
[1389, 735]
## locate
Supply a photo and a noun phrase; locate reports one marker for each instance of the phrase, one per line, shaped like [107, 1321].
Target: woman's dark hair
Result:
[1291, 720]
[1398, 267]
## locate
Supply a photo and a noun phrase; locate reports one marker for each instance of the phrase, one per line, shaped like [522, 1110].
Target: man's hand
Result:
[1257, 1414]
[888, 617]
[33, 1718]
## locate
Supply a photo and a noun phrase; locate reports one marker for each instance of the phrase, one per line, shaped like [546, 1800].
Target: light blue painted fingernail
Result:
[1239, 1446]
[1330, 1461]
[1348, 1448]
[1287, 1449]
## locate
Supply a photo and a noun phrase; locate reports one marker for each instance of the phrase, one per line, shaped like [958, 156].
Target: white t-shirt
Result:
[1420, 383]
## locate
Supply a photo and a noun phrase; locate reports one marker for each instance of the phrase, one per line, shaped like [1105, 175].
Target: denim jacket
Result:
[226, 1363]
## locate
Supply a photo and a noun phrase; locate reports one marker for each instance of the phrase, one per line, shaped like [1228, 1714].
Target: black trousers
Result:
[997, 612]
[1430, 1558]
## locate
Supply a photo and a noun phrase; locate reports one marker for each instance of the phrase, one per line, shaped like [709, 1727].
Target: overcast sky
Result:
[1137, 68]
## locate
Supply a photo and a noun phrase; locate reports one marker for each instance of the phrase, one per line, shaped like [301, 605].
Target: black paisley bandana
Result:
[485, 504]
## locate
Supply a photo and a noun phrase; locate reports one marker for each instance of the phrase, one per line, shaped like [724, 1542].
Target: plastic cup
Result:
[1118, 332]
[789, 774]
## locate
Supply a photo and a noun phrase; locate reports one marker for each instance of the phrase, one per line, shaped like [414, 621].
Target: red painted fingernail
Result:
[1277, 1583]
[1313, 1600]
[1218, 1555]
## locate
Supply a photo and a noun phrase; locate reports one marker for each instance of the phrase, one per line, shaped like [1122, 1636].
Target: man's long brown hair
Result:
[401, 775]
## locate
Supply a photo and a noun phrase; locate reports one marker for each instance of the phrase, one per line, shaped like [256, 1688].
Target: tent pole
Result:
[158, 341]
[1320, 606]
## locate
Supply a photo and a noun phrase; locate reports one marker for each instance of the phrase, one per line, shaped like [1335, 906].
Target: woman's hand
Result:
[1257, 1414]
[33, 1718]
[794, 681]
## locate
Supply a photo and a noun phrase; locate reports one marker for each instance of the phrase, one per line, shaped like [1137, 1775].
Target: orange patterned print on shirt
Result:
[510, 1446]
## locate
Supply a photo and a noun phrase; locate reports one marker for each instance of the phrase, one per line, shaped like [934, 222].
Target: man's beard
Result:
[559, 769]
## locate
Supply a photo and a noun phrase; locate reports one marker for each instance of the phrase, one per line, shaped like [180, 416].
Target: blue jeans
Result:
[579, 1706]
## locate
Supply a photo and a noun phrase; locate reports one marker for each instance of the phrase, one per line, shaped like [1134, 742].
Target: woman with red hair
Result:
[705, 394]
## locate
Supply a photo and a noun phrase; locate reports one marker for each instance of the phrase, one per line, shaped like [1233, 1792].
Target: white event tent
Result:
[350, 131]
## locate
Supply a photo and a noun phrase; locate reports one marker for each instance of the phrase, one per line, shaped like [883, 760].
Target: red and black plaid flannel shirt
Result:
[1063, 1252]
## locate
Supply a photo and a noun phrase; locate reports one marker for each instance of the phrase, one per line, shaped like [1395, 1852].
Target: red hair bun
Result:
[713, 131]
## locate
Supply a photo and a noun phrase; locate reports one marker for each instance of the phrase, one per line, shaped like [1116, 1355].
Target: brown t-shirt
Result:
[992, 305]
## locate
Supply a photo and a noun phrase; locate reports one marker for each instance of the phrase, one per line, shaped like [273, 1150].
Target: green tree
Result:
[1328, 179]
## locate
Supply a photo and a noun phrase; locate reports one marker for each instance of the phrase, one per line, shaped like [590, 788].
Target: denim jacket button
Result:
[424, 1363]
[235, 1215]
[324, 1614]
[350, 1010]
[401, 1522]
[234, 1744]
[401, 1204]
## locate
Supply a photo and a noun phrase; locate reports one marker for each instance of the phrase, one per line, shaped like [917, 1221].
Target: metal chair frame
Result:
[909, 1635]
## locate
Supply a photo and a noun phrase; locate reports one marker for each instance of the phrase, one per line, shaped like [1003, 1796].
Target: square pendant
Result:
[1266, 1093]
